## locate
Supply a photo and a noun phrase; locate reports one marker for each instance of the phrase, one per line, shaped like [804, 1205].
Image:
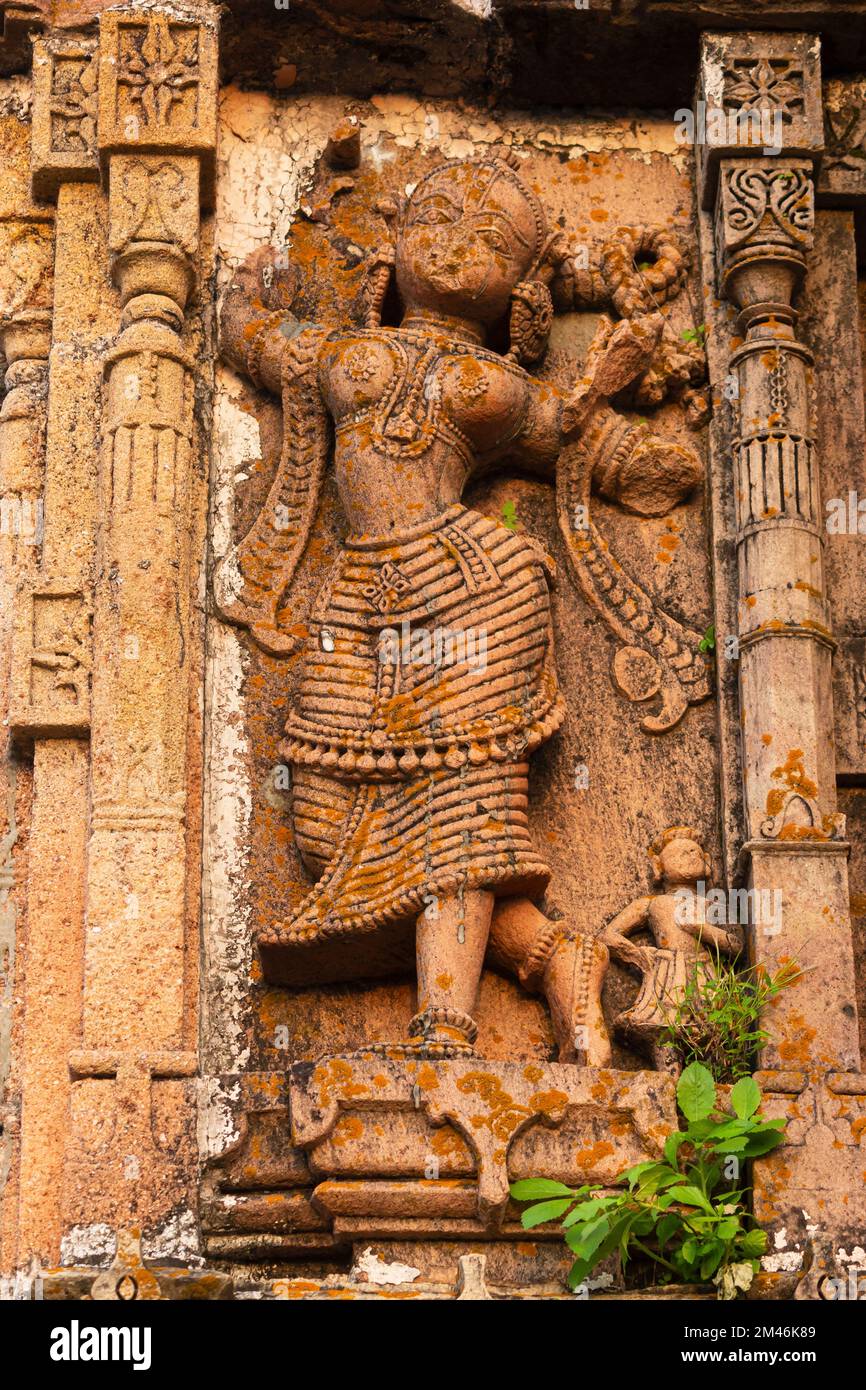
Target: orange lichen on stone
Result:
[668, 543]
[792, 774]
[334, 1078]
[446, 1143]
[798, 1047]
[294, 1288]
[806, 588]
[548, 1102]
[589, 1158]
[347, 1128]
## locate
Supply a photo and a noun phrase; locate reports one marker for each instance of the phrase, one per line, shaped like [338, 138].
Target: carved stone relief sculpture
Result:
[684, 945]
[429, 674]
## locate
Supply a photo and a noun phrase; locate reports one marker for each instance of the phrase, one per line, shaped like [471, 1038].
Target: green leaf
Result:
[533, 1189]
[632, 1175]
[753, 1244]
[644, 1222]
[585, 1240]
[664, 1202]
[763, 1142]
[655, 1177]
[689, 1250]
[712, 1260]
[689, 1197]
[696, 1092]
[730, 1146]
[729, 1130]
[699, 1130]
[727, 1229]
[544, 1211]
[578, 1272]
[666, 1227]
[746, 1097]
[672, 1146]
[585, 1211]
[619, 1230]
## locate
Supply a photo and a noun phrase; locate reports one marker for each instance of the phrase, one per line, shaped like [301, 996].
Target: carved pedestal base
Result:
[427, 1149]
[130, 1279]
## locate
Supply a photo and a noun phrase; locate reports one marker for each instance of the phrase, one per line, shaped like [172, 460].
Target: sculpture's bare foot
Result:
[566, 966]
[572, 983]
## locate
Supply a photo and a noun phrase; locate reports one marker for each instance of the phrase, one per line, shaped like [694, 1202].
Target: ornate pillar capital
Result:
[158, 85]
[757, 95]
[765, 215]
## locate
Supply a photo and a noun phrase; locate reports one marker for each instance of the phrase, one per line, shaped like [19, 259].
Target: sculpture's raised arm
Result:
[252, 339]
[629, 463]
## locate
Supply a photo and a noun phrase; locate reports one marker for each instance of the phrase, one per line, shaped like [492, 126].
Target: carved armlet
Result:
[263, 349]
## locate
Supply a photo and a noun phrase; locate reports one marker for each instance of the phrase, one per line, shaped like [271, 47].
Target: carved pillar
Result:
[26, 286]
[49, 704]
[792, 837]
[156, 136]
[49, 707]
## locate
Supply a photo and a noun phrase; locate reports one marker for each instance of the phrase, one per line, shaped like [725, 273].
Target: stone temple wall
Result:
[207, 219]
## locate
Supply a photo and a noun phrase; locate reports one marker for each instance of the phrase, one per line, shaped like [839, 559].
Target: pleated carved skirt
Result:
[428, 681]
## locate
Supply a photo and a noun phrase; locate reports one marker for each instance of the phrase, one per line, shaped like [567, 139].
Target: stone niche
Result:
[384, 1148]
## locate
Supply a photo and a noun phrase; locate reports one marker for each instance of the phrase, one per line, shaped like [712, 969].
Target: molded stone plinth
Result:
[417, 1148]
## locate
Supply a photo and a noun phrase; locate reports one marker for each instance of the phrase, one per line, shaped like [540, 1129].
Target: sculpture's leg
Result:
[451, 939]
[567, 966]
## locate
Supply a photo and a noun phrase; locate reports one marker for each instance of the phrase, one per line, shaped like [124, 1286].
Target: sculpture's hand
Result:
[617, 354]
[640, 958]
[235, 313]
[652, 477]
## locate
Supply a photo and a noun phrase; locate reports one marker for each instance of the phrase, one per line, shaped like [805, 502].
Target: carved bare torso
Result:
[413, 414]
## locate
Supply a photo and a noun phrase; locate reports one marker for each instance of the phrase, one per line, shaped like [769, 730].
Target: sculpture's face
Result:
[683, 861]
[469, 236]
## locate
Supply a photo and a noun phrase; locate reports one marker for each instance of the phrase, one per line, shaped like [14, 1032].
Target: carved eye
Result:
[494, 239]
[432, 217]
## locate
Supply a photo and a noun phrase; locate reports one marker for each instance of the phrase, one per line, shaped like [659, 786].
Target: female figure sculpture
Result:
[410, 757]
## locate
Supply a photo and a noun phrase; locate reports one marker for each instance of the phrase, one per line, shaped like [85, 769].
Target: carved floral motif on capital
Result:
[73, 102]
[770, 84]
[158, 65]
[158, 80]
